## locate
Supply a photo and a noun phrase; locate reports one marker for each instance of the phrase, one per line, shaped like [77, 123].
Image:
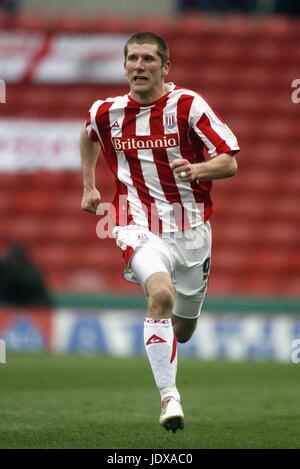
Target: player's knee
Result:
[161, 300]
[183, 328]
[184, 336]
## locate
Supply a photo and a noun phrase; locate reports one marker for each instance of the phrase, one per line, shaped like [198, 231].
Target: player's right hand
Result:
[90, 200]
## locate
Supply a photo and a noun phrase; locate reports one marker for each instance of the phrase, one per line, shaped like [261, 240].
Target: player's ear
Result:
[166, 69]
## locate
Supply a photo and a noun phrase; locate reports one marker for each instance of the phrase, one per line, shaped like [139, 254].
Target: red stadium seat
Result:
[31, 21]
[70, 22]
[194, 25]
[6, 20]
[105, 23]
[275, 27]
[162, 25]
[240, 27]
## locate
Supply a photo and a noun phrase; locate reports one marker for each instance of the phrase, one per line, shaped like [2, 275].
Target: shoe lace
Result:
[164, 403]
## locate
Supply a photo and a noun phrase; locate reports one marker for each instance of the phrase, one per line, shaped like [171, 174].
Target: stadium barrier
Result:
[119, 332]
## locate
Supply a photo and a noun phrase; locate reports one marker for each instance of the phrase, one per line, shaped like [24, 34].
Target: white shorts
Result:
[185, 255]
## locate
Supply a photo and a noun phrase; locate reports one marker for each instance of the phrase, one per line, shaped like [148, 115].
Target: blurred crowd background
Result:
[57, 57]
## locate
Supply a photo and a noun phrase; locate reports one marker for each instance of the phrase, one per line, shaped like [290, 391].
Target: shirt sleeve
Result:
[91, 124]
[211, 129]
[91, 132]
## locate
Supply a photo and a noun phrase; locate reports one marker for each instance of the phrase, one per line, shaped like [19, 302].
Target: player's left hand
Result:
[184, 169]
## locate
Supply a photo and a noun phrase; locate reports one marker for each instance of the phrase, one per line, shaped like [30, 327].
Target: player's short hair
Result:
[152, 38]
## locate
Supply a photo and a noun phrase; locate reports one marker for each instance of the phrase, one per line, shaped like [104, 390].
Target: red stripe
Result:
[93, 135]
[129, 130]
[198, 145]
[123, 215]
[204, 126]
[214, 111]
[183, 110]
[201, 189]
[127, 254]
[165, 173]
[103, 126]
[190, 149]
[104, 129]
[174, 349]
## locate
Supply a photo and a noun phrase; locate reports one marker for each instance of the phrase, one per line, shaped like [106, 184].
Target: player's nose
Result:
[139, 64]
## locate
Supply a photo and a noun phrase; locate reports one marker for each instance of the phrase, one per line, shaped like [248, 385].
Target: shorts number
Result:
[206, 267]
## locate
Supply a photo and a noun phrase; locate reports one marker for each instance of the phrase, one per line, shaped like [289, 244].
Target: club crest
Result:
[170, 121]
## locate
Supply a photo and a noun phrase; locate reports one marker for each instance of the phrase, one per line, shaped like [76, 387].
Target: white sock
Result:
[160, 344]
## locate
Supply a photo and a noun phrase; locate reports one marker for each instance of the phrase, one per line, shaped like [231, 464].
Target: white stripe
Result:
[117, 113]
[198, 108]
[194, 213]
[149, 169]
[93, 112]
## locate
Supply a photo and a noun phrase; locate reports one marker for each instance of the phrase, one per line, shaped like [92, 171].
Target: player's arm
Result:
[89, 152]
[218, 139]
[219, 167]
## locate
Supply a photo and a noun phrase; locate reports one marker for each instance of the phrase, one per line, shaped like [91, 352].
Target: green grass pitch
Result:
[64, 401]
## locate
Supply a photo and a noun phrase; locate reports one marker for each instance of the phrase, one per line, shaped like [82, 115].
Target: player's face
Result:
[145, 72]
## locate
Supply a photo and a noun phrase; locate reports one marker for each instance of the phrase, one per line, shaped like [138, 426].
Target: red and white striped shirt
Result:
[140, 141]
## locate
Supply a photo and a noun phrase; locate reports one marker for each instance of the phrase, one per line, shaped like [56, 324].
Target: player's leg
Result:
[160, 341]
[183, 328]
[153, 270]
[191, 279]
[185, 315]
[160, 295]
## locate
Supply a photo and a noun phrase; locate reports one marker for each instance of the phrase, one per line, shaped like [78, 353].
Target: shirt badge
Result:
[170, 121]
